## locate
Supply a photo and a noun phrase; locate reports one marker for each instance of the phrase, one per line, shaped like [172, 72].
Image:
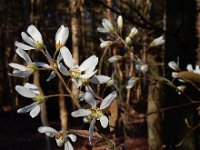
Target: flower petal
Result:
[35, 34]
[81, 113]
[108, 100]
[63, 69]
[27, 108]
[21, 73]
[90, 99]
[35, 111]
[91, 130]
[62, 35]
[17, 66]
[88, 74]
[49, 131]
[104, 121]
[27, 39]
[25, 91]
[68, 146]
[72, 137]
[102, 30]
[67, 56]
[51, 76]
[42, 64]
[173, 65]
[32, 87]
[189, 67]
[23, 46]
[24, 55]
[100, 79]
[89, 64]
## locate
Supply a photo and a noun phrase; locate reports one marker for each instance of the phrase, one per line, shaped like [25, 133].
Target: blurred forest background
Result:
[177, 20]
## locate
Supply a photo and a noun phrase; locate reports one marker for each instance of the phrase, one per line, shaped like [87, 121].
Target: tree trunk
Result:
[155, 90]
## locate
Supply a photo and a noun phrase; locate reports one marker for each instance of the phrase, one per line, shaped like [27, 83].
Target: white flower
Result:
[174, 65]
[115, 58]
[25, 71]
[61, 36]
[34, 41]
[133, 32]
[107, 26]
[105, 44]
[128, 40]
[30, 91]
[131, 82]
[96, 113]
[158, 41]
[120, 22]
[196, 70]
[61, 137]
[141, 66]
[78, 73]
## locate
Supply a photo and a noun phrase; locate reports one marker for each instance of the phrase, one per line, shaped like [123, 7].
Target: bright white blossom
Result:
[115, 58]
[30, 91]
[105, 44]
[107, 26]
[174, 65]
[141, 66]
[83, 72]
[133, 32]
[25, 71]
[61, 36]
[128, 40]
[131, 82]
[62, 137]
[34, 41]
[95, 113]
[158, 41]
[196, 70]
[120, 22]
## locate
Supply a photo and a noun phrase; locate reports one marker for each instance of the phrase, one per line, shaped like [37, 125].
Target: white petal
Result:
[51, 76]
[35, 111]
[108, 100]
[27, 39]
[35, 34]
[104, 121]
[27, 108]
[25, 92]
[63, 69]
[173, 65]
[24, 55]
[49, 131]
[17, 66]
[89, 89]
[90, 99]
[67, 56]
[62, 35]
[23, 46]
[174, 74]
[107, 25]
[130, 84]
[32, 87]
[68, 146]
[91, 130]
[89, 64]
[72, 137]
[81, 113]
[21, 73]
[189, 67]
[59, 58]
[100, 79]
[102, 30]
[42, 64]
[88, 74]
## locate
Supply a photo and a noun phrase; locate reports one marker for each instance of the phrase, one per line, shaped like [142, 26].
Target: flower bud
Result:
[115, 58]
[133, 32]
[120, 22]
[158, 41]
[128, 40]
